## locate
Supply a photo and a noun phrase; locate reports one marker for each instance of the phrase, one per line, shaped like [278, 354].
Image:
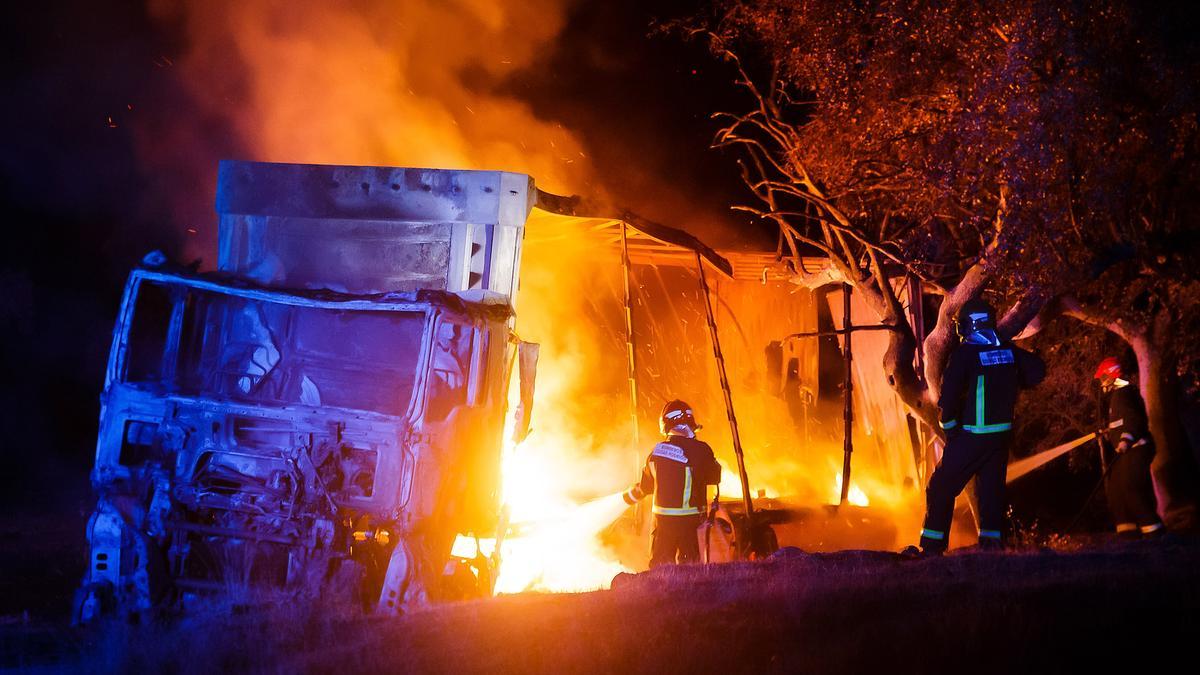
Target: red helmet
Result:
[1108, 368]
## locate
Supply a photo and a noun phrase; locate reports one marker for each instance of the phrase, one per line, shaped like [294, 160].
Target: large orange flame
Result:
[409, 84]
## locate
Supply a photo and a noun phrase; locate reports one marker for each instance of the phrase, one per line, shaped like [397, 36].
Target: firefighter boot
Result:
[990, 543]
[916, 553]
[933, 542]
[927, 549]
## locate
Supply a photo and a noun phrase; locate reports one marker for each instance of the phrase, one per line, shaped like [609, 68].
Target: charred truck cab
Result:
[325, 413]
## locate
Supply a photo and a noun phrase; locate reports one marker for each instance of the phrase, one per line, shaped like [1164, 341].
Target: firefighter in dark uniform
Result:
[677, 473]
[979, 392]
[1128, 485]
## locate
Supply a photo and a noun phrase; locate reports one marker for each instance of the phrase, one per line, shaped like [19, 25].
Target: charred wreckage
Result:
[324, 414]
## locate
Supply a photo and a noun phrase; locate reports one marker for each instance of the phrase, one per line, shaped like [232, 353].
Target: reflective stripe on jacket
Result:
[1125, 404]
[677, 473]
[979, 387]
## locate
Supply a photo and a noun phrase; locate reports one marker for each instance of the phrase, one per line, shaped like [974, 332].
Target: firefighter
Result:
[1127, 484]
[678, 473]
[979, 392]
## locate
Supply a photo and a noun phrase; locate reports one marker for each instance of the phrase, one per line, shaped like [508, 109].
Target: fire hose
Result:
[1088, 502]
[1024, 466]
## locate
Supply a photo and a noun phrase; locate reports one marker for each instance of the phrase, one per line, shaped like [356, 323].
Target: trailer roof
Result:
[652, 243]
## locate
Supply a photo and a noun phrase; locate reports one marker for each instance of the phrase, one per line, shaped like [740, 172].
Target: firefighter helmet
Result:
[975, 315]
[1109, 369]
[675, 414]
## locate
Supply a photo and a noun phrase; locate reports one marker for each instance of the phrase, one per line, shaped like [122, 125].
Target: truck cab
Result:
[259, 439]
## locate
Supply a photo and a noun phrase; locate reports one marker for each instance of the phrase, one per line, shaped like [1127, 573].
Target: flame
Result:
[554, 537]
[561, 484]
[855, 496]
[553, 542]
[583, 445]
[562, 552]
[419, 83]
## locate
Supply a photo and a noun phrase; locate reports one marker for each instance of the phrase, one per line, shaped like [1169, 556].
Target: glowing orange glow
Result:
[399, 84]
[561, 484]
[582, 444]
[855, 496]
[554, 544]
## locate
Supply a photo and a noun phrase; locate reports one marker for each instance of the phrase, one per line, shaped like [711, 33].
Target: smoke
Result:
[419, 83]
[431, 83]
[412, 83]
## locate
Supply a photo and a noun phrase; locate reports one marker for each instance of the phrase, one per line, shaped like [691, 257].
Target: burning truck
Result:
[326, 412]
[323, 414]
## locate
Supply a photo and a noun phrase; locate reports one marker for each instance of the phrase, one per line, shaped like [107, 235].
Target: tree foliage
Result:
[1041, 152]
[914, 118]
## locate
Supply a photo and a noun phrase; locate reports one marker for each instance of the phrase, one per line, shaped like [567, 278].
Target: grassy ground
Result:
[849, 612]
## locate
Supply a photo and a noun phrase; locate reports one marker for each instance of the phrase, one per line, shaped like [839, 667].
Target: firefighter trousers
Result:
[967, 455]
[1130, 490]
[674, 539]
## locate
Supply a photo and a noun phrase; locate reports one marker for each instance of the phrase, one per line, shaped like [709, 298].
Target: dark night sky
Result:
[644, 105]
[81, 206]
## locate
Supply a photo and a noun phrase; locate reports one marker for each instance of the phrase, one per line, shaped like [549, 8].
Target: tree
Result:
[1039, 153]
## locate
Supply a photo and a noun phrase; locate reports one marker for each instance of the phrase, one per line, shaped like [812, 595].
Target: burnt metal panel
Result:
[362, 229]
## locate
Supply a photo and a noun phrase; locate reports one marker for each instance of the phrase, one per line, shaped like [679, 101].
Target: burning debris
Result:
[574, 297]
[326, 414]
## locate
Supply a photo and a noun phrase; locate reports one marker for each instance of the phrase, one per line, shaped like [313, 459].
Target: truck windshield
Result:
[258, 351]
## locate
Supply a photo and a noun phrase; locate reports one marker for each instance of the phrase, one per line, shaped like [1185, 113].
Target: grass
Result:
[851, 612]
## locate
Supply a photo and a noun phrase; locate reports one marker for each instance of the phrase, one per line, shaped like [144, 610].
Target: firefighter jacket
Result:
[1125, 404]
[979, 387]
[677, 473]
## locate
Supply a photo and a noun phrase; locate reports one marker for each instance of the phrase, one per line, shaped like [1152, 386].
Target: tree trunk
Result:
[1174, 471]
[921, 395]
[902, 376]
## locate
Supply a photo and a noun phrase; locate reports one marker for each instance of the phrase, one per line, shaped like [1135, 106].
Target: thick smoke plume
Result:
[427, 83]
[409, 83]
[414, 84]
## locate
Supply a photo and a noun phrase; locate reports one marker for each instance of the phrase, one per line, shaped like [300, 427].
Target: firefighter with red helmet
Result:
[1127, 484]
[979, 393]
[677, 472]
